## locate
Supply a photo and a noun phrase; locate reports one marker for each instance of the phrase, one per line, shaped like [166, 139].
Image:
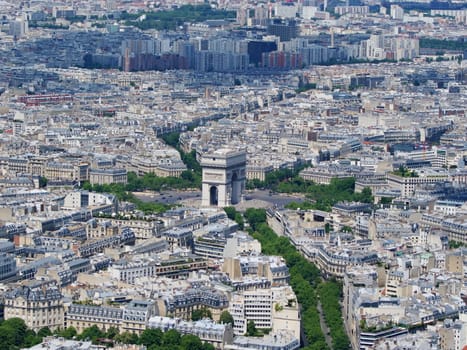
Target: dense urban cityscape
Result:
[233, 174]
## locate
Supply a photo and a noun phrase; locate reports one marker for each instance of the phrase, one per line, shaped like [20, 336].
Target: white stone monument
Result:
[224, 174]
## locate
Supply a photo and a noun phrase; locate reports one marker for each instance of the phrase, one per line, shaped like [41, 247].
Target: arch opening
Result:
[213, 196]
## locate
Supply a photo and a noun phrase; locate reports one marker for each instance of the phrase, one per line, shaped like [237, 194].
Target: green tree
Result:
[31, 339]
[151, 337]
[191, 342]
[386, 200]
[171, 338]
[318, 345]
[44, 332]
[188, 175]
[365, 196]
[201, 313]
[112, 332]
[226, 317]
[67, 333]
[92, 333]
[87, 186]
[255, 217]
[126, 338]
[239, 220]
[208, 346]
[172, 139]
[7, 337]
[329, 293]
[171, 19]
[15, 330]
[304, 279]
[42, 182]
[251, 330]
[231, 212]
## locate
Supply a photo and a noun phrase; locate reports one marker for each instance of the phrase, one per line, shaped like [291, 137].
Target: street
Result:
[175, 197]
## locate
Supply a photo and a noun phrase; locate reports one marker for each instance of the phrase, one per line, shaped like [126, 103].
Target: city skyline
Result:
[233, 174]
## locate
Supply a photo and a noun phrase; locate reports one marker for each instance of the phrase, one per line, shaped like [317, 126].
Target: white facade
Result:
[224, 174]
[254, 305]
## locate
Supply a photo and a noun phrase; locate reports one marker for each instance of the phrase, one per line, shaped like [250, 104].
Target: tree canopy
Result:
[305, 280]
[171, 19]
[226, 317]
[15, 335]
[323, 197]
[201, 313]
[233, 214]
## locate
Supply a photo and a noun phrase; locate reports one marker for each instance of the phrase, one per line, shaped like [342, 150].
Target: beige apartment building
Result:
[38, 303]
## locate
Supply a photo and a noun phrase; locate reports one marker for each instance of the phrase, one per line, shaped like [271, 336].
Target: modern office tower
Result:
[18, 28]
[261, 15]
[243, 15]
[257, 47]
[283, 28]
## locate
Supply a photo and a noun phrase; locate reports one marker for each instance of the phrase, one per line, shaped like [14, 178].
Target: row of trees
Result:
[323, 197]
[171, 19]
[306, 282]
[274, 178]
[320, 197]
[122, 192]
[173, 140]
[405, 172]
[304, 277]
[440, 44]
[190, 178]
[153, 339]
[187, 179]
[233, 214]
[14, 334]
[194, 172]
[330, 292]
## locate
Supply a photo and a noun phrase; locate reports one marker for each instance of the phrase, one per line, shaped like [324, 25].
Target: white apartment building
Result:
[108, 176]
[207, 330]
[407, 185]
[254, 305]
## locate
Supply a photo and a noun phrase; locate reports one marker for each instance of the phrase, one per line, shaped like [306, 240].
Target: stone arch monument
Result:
[224, 174]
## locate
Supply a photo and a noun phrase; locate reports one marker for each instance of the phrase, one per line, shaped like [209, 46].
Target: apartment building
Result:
[108, 176]
[124, 237]
[7, 266]
[207, 330]
[282, 340]
[273, 268]
[38, 303]
[182, 304]
[407, 185]
[334, 261]
[142, 228]
[254, 306]
[128, 271]
[132, 318]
